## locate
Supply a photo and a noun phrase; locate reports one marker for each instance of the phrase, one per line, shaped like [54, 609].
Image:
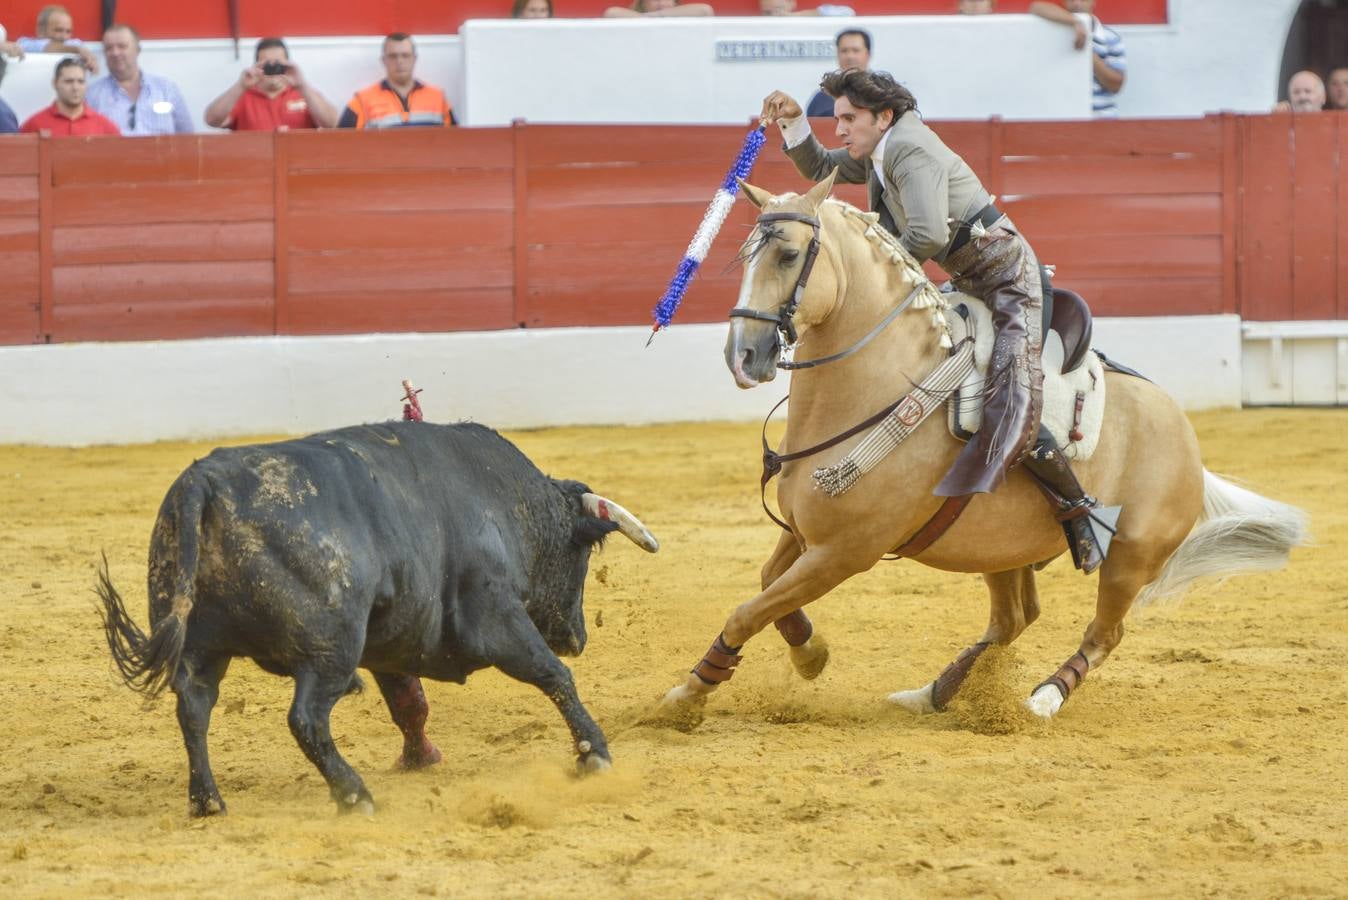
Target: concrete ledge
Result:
[1302, 363]
[76, 394]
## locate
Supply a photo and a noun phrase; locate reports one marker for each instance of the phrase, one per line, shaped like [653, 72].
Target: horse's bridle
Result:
[786, 312]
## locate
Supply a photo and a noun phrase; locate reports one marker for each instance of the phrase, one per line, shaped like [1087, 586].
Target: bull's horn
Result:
[628, 524]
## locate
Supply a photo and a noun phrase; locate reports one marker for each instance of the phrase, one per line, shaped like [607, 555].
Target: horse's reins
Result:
[783, 319]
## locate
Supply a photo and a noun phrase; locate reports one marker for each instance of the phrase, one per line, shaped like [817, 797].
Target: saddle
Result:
[1074, 382]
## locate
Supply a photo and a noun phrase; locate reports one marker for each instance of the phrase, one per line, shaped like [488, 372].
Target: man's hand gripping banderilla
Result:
[777, 106]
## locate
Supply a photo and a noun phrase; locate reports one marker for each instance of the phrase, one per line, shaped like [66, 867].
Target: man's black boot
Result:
[1089, 526]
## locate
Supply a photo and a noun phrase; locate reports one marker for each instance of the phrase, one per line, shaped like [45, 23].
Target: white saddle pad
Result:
[1087, 381]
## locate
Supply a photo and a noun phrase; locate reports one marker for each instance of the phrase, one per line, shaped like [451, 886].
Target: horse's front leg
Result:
[1014, 606]
[809, 652]
[813, 574]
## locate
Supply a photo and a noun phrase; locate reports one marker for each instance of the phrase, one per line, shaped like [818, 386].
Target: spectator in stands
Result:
[1305, 94]
[788, 8]
[399, 100]
[9, 123]
[8, 47]
[531, 9]
[1338, 88]
[854, 52]
[55, 30]
[137, 102]
[977, 7]
[68, 116]
[659, 8]
[271, 95]
[1110, 62]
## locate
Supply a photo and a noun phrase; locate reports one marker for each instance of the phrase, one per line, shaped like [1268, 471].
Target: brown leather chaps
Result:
[1001, 269]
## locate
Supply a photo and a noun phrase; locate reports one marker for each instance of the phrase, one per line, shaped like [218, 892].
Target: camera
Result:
[275, 67]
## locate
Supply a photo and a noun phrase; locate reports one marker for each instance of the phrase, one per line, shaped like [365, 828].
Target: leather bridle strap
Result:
[772, 460]
[786, 313]
[870, 336]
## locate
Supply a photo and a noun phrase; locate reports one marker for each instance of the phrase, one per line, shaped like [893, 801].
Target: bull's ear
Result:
[819, 193]
[757, 196]
[589, 531]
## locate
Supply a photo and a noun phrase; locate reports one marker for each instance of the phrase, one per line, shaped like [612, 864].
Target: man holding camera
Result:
[271, 95]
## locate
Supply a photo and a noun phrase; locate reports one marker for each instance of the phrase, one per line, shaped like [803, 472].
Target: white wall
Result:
[1213, 55]
[668, 70]
[74, 394]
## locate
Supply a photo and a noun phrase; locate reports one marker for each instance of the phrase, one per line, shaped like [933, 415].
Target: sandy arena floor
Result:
[1206, 759]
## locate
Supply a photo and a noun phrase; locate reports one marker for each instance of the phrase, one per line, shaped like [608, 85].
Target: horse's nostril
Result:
[747, 357]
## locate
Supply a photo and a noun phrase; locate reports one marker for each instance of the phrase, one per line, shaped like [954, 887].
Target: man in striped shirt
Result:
[1109, 62]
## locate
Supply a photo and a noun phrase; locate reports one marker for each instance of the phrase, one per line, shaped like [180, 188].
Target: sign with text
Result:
[751, 51]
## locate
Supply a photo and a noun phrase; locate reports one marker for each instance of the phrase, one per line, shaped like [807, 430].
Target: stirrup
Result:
[1090, 528]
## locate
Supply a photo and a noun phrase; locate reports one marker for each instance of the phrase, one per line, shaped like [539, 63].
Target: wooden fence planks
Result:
[468, 229]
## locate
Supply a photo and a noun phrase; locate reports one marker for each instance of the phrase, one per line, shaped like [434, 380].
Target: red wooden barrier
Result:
[544, 226]
[21, 298]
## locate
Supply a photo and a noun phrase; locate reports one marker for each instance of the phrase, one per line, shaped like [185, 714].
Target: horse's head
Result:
[788, 284]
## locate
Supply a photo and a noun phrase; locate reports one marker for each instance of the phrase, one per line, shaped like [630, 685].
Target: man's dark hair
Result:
[864, 35]
[267, 43]
[398, 37]
[67, 63]
[876, 91]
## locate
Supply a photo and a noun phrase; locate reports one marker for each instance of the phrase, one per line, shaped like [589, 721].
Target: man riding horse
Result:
[930, 199]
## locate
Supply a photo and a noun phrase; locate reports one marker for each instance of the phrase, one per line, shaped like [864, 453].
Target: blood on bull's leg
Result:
[407, 705]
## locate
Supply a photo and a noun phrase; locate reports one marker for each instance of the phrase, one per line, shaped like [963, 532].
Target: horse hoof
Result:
[682, 696]
[810, 658]
[682, 709]
[428, 755]
[1045, 702]
[918, 701]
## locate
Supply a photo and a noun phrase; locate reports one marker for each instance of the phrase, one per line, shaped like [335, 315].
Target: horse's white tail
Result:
[1238, 532]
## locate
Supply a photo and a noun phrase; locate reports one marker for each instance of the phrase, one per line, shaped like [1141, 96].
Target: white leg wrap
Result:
[918, 701]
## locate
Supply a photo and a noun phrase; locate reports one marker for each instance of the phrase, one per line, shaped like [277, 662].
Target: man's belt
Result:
[987, 216]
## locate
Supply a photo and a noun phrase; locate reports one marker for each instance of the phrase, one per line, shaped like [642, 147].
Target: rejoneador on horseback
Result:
[878, 348]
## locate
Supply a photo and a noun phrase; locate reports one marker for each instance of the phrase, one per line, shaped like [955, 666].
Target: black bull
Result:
[408, 549]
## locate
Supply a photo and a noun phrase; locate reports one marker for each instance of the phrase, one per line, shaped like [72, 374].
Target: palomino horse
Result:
[1179, 522]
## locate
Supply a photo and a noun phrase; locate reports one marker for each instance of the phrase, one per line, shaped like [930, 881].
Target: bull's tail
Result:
[147, 663]
[1239, 532]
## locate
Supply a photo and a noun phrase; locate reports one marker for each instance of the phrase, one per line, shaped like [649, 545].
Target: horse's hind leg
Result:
[1121, 578]
[809, 652]
[1014, 605]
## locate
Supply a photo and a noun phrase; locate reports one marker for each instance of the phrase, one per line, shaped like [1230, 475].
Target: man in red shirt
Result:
[271, 95]
[68, 116]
